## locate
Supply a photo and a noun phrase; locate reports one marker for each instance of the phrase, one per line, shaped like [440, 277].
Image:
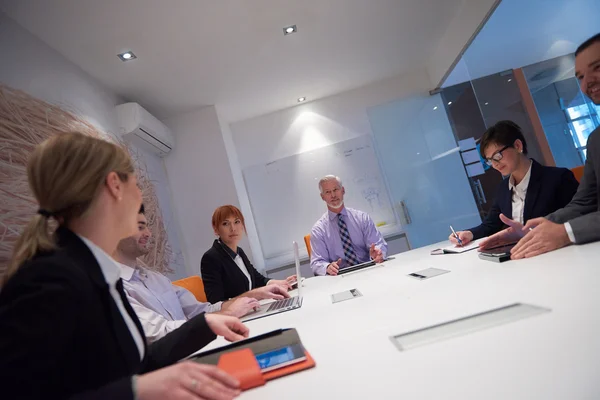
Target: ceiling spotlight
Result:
[509, 80]
[449, 103]
[127, 56]
[434, 108]
[486, 103]
[301, 99]
[288, 30]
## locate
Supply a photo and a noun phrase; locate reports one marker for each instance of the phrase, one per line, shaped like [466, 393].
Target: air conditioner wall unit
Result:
[138, 126]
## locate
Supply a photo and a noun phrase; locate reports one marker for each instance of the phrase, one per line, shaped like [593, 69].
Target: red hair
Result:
[224, 212]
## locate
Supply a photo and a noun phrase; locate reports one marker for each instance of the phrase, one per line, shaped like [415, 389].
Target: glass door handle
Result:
[479, 191]
[405, 214]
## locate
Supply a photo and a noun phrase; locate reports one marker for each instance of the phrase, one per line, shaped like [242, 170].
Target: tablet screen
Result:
[281, 357]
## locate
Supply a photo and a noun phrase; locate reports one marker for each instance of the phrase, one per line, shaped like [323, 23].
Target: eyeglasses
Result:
[497, 156]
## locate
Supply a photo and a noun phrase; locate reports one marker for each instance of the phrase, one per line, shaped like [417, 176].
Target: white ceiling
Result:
[521, 33]
[232, 53]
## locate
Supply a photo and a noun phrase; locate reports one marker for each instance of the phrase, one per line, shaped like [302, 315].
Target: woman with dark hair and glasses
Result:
[529, 190]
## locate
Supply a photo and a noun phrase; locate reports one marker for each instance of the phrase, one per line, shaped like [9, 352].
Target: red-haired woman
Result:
[226, 270]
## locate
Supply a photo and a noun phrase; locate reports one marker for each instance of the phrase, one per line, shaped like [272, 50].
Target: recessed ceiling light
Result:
[509, 80]
[435, 108]
[288, 30]
[486, 103]
[449, 103]
[301, 99]
[127, 56]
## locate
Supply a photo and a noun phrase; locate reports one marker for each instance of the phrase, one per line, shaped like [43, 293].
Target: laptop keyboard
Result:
[279, 304]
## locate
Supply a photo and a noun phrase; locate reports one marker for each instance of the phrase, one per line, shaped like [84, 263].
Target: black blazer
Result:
[223, 278]
[550, 188]
[62, 335]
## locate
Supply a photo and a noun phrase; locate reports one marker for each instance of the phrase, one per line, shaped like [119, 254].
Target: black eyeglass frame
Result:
[497, 156]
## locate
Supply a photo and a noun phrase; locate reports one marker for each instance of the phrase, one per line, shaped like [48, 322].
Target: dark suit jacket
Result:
[62, 335]
[583, 212]
[223, 278]
[549, 189]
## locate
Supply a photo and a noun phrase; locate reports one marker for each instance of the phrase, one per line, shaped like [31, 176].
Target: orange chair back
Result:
[307, 242]
[195, 285]
[578, 172]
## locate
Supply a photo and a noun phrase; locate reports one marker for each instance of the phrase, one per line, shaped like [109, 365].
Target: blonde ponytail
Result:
[65, 174]
[35, 238]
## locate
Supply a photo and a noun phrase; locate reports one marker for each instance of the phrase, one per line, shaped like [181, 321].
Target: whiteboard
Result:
[285, 199]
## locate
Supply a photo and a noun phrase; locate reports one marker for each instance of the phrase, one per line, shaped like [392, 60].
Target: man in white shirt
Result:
[163, 307]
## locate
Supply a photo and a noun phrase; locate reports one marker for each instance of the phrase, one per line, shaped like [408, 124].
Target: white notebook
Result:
[453, 249]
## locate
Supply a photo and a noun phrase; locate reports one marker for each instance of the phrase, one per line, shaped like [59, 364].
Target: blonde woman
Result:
[66, 328]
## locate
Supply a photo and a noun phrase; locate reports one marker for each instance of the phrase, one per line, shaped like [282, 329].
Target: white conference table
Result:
[554, 355]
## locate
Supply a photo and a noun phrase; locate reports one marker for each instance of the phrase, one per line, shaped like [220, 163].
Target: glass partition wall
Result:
[520, 67]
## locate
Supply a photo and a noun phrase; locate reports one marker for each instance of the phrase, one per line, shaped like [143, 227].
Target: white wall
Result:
[319, 123]
[158, 176]
[30, 65]
[200, 179]
[313, 125]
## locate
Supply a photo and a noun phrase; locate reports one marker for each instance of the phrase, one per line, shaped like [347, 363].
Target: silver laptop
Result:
[280, 306]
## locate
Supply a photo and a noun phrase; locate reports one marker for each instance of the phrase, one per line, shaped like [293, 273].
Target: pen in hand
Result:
[460, 243]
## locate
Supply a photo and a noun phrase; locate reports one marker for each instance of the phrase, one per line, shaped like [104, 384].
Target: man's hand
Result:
[546, 236]
[230, 328]
[376, 254]
[334, 267]
[275, 292]
[239, 307]
[512, 234]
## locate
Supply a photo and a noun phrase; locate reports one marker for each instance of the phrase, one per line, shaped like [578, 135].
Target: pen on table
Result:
[460, 243]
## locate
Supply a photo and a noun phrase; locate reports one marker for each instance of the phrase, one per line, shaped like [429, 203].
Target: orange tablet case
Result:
[243, 366]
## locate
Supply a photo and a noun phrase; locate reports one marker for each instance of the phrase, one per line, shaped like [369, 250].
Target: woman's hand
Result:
[231, 328]
[186, 381]
[285, 283]
[465, 237]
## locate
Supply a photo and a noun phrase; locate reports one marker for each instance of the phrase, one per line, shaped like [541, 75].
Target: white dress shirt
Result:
[570, 233]
[160, 306]
[239, 262]
[111, 271]
[519, 192]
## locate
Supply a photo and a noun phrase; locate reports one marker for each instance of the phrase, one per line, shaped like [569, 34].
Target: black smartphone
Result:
[498, 254]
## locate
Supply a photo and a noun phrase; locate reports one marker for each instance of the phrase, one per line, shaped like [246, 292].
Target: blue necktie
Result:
[346, 243]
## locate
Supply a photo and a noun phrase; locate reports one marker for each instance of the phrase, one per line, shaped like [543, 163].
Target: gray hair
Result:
[327, 178]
